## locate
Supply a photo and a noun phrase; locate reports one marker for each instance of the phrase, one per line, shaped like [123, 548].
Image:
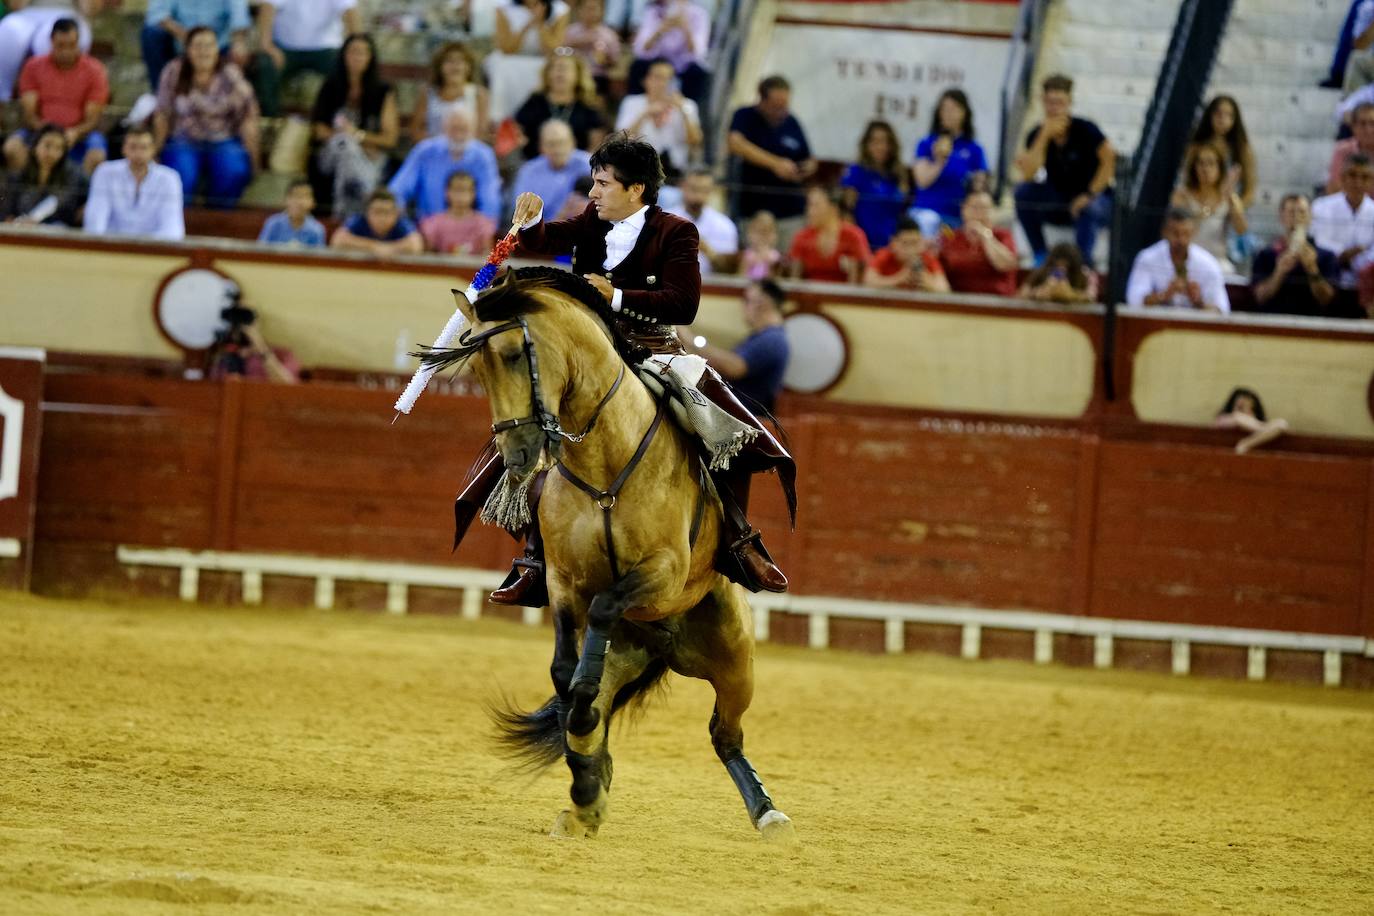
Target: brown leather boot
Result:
[525, 585]
[758, 566]
[744, 559]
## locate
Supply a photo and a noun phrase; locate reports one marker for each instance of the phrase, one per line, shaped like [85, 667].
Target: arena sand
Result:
[174, 759]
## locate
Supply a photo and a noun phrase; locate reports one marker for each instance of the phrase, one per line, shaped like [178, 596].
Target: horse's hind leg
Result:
[588, 755]
[730, 669]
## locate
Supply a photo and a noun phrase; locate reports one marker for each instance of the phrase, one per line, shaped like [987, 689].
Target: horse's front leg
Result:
[604, 612]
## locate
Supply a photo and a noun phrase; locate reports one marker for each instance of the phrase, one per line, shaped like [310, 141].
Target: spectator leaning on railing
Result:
[1294, 276]
[66, 88]
[1079, 165]
[135, 195]
[207, 121]
[1175, 272]
[756, 367]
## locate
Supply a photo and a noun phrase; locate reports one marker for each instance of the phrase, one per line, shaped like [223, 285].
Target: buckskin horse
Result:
[631, 529]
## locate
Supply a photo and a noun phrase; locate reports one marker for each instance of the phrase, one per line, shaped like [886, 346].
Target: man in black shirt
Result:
[1079, 165]
[1293, 276]
[774, 157]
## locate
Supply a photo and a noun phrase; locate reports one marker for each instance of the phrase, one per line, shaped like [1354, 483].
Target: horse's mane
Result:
[509, 297]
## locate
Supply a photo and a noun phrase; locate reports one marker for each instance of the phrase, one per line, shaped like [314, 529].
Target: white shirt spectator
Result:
[1336, 227]
[310, 25]
[668, 137]
[120, 205]
[1153, 271]
[716, 230]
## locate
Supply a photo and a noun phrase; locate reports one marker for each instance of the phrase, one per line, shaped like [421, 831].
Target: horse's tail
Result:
[536, 738]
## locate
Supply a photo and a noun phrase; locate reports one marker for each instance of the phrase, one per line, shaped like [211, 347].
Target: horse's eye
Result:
[512, 357]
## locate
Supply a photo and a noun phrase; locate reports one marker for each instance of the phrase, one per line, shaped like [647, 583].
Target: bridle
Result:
[555, 435]
[539, 415]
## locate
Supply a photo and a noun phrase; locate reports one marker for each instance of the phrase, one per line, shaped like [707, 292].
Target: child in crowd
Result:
[908, 261]
[1062, 278]
[761, 259]
[294, 226]
[460, 229]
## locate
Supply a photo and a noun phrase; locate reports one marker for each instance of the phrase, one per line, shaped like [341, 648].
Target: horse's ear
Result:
[465, 306]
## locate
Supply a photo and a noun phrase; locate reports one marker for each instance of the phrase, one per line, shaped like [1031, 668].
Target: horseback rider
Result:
[644, 262]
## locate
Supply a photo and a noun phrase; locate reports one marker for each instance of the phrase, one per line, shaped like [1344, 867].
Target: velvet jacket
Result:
[659, 280]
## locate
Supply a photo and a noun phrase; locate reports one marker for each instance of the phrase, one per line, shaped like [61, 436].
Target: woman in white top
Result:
[27, 29]
[526, 32]
[451, 74]
[663, 118]
[1211, 195]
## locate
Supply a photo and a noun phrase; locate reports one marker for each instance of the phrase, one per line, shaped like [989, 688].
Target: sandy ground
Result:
[166, 759]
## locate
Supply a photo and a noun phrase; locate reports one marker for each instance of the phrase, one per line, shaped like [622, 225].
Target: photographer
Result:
[240, 349]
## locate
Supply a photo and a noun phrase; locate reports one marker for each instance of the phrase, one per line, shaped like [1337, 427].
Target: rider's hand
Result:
[527, 206]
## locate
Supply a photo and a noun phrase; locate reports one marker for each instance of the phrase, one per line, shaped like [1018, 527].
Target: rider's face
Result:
[613, 200]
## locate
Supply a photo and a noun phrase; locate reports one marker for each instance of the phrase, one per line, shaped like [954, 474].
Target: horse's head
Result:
[525, 337]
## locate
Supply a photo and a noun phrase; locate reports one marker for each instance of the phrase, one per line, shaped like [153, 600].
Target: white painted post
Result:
[1183, 656]
[532, 616]
[252, 586]
[819, 630]
[1044, 647]
[190, 582]
[894, 635]
[1102, 650]
[324, 593]
[1331, 668]
[472, 603]
[971, 645]
[761, 624]
[397, 598]
[1254, 668]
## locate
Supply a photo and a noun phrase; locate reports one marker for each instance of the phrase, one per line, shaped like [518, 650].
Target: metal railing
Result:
[1016, 82]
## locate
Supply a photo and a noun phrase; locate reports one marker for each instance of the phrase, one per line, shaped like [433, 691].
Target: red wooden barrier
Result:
[900, 507]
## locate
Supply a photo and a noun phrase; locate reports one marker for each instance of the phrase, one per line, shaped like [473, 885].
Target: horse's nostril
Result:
[517, 457]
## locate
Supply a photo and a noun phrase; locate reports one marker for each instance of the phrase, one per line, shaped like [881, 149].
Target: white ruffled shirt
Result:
[620, 241]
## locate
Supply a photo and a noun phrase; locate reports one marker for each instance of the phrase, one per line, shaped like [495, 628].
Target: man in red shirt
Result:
[66, 88]
[977, 257]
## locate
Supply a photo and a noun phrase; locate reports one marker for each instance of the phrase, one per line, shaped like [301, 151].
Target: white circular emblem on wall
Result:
[818, 353]
[189, 304]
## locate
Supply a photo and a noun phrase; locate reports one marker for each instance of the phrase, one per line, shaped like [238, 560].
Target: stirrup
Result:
[524, 586]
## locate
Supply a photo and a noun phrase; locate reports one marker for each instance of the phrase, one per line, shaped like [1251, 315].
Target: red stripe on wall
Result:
[828, 24]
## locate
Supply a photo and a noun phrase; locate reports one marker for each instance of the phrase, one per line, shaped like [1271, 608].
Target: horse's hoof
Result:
[567, 827]
[776, 828]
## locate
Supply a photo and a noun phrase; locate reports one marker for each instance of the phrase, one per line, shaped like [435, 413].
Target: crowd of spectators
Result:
[442, 175]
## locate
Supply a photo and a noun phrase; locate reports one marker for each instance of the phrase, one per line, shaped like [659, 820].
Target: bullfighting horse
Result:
[631, 530]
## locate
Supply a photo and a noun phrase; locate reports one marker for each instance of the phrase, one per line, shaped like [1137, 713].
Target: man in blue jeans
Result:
[1079, 165]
